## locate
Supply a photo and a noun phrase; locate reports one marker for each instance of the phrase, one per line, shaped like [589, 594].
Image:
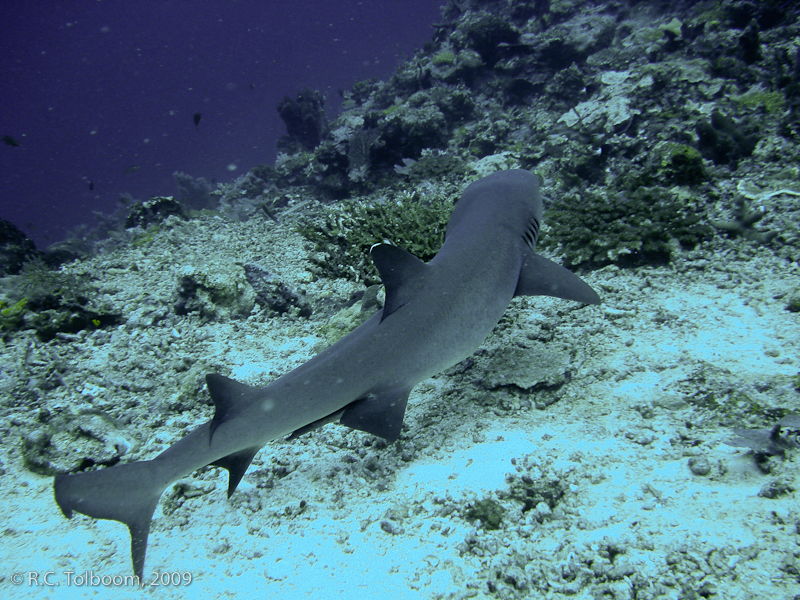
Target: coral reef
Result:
[194, 194]
[632, 227]
[723, 140]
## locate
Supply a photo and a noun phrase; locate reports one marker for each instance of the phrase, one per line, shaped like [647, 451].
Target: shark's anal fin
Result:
[229, 398]
[401, 273]
[125, 493]
[236, 464]
[379, 413]
[542, 277]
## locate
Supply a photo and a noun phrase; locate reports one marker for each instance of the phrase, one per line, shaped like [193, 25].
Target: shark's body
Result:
[436, 314]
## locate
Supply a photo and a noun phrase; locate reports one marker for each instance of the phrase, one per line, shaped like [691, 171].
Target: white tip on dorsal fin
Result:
[401, 273]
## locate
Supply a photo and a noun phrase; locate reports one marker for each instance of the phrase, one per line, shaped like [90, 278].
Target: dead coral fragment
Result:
[744, 218]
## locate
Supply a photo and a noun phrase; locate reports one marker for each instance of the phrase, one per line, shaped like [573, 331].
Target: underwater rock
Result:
[775, 489]
[155, 210]
[305, 121]
[194, 193]
[571, 42]
[67, 319]
[487, 34]
[15, 249]
[489, 512]
[273, 294]
[66, 251]
[678, 163]
[410, 128]
[215, 292]
[347, 319]
[527, 368]
[67, 443]
[724, 141]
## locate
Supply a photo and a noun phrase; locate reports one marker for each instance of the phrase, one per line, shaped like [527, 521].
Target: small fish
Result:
[91, 185]
[132, 169]
[268, 212]
[11, 141]
[197, 117]
[252, 87]
[783, 436]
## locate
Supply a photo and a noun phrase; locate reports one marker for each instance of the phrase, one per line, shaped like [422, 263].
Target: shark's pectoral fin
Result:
[236, 464]
[542, 277]
[229, 398]
[379, 413]
[401, 273]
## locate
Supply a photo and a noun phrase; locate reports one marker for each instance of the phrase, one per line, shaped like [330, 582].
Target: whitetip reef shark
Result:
[435, 315]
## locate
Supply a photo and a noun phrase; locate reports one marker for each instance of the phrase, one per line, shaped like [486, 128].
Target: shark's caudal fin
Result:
[543, 277]
[129, 493]
[125, 493]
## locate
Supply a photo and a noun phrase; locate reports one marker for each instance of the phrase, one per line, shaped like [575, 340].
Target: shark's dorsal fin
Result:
[379, 413]
[401, 273]
[542, 277]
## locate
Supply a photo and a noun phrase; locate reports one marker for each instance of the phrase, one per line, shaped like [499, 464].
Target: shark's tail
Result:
[126, 493]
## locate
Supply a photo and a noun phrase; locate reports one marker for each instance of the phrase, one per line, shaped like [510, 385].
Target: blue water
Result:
[92, 90]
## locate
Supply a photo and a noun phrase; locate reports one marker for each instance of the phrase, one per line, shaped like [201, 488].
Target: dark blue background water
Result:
[92, 88]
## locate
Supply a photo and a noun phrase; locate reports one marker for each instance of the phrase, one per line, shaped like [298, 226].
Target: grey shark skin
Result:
[435, 315]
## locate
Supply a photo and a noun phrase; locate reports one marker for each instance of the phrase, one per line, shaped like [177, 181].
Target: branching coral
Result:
[345, 236]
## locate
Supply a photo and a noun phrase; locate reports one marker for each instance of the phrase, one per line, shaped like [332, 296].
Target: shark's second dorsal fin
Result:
[401, 273]
[542, 277]
[229, 397]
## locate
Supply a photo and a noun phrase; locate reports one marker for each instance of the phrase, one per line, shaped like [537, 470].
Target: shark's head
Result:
[508, 200]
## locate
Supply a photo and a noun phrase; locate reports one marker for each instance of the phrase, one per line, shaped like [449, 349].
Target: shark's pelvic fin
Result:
[126, 493]
[542, 277]
[401, 273]
[379, 413]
